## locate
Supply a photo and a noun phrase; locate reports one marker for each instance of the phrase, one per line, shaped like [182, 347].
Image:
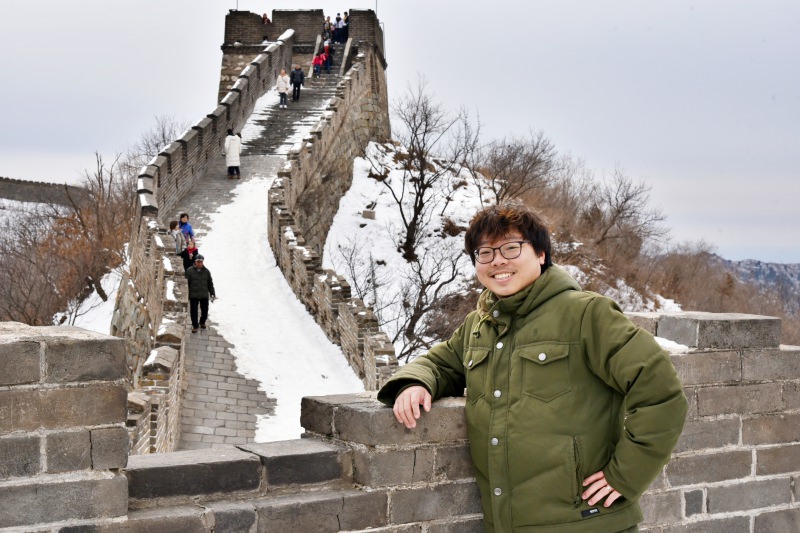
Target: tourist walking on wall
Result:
[297, 78]
[282, 86]
[201, 288]
[317, 62]
[177, 236]
[572, 411]
[189, 253]
[186, 228]
[233, 147]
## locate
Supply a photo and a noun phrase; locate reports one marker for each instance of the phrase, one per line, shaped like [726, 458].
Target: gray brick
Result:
[90, 357]
[774, 364]
[374, 424]
[778, 460]
[454, 462]
[694, 502]
[233, 517]
[84, 406]
[180, 519]
[772, 522]
[421, 504]
[192, 473]
[662, 507]
[708, 468]
[791, 395]
[708, 367]
[384, 468]
[20, 410]
[322, 512]
[468, 525]
[771, 429]
[721, 330]
[761, 398]
[735, 524]
[19, 361]
[68, 451]
[748, 495]
[19, 456]
[62, 500]
[301, 461]
[110, 447]
[701, 434]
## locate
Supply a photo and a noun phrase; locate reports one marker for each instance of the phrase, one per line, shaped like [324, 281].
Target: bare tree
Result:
[437, 144]
[516, 166]
[429, 282]
[165, 131]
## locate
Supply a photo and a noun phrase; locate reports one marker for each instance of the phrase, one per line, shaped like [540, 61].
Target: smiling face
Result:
[506, 277]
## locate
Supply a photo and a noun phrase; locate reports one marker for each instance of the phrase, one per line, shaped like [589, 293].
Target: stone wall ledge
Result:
[705, 331]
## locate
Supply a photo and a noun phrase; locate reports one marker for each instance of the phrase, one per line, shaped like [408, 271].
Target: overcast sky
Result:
[700, 99]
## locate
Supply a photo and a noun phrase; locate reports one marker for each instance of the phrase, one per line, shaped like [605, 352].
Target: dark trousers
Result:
[283, 98]
[295, 92]
[233, 171]
[203, 311]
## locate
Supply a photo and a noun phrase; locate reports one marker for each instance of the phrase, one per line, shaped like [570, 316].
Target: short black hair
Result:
[496, 221]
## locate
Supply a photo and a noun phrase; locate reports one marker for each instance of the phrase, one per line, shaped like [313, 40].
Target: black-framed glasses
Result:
[509, 250]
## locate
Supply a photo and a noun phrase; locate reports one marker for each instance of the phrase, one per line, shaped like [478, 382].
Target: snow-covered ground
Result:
[275, 340]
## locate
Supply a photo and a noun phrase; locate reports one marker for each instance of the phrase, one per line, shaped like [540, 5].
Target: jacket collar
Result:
[553, 281]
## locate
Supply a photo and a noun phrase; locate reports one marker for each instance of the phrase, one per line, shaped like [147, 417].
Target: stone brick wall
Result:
[173, 172]
[62, 434]
[736, 463]
[306, 23]
[151, 307]
[356, 469]
[246, 28]
[363, 25]
[305, 198]
[32, 191]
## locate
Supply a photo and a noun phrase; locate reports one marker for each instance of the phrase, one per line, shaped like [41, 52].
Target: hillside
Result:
[784, 278]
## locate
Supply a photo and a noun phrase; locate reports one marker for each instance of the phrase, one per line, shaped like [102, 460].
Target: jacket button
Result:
[498, 491]
[542, 356]
[499, 345]
[470, 363]
[494, 441]
[497, 394]
[495, 313]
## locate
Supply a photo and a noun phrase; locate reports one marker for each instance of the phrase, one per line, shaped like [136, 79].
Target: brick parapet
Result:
[733, 469]
[151, 303]
[62, 425]
[304, 199]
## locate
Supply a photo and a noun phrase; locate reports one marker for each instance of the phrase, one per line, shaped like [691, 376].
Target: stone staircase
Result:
[356, 470]
[221, 406]
[280, 126]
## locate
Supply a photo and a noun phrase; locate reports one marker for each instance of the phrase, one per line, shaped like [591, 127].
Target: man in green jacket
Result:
[572, 410]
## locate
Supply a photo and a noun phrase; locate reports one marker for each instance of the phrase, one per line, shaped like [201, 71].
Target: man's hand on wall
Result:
[406, 405]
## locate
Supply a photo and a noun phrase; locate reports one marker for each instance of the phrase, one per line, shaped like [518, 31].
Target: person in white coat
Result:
[233, 147]
[283, 86]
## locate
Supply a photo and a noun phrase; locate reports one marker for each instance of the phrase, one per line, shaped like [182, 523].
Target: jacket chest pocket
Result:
[545, 370]
[476, 370]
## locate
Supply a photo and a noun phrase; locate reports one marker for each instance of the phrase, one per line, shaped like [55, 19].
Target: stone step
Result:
[254, 469]
[325, 511]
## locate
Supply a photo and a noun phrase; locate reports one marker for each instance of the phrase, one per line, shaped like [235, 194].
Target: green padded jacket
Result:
[559, 385]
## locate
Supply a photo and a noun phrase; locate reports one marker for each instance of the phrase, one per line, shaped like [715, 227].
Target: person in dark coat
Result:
[188, 254]
[297, 78]
[201, 288]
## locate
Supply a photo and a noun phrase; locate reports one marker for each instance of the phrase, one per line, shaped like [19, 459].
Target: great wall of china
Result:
[90, 424]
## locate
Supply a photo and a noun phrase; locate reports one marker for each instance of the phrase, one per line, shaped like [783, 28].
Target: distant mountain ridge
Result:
[785, 278]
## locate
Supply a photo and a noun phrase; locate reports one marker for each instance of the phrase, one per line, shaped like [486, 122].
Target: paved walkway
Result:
[220, 405]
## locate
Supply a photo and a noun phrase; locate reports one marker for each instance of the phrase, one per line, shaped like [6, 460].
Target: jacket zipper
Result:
[576, 455]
